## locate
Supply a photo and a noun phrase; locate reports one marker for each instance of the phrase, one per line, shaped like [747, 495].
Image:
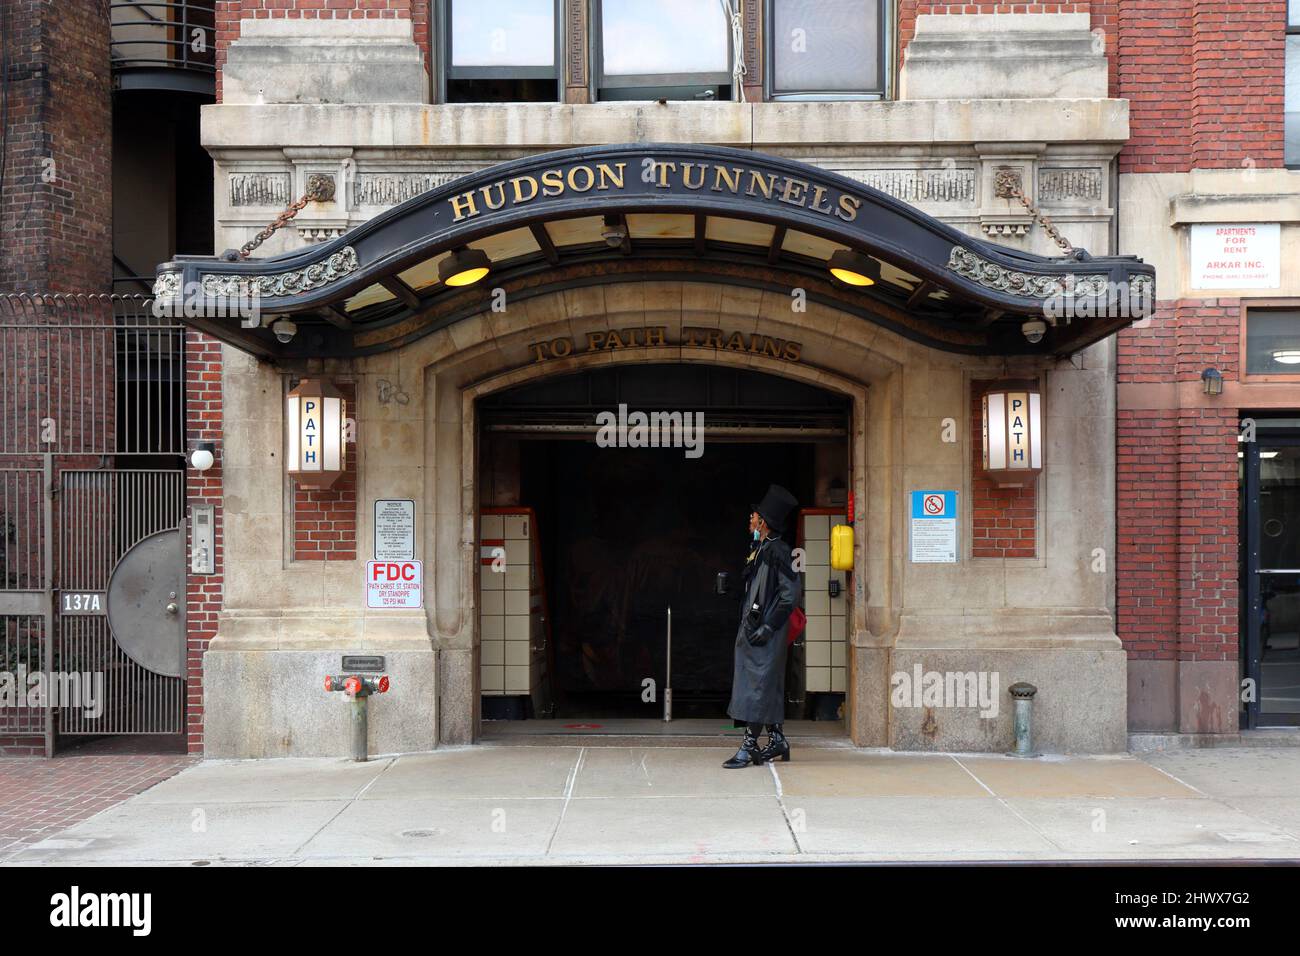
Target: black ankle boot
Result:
[777, 745]
[748, 755]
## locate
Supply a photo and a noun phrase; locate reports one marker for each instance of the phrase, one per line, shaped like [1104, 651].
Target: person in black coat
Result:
[770, 591]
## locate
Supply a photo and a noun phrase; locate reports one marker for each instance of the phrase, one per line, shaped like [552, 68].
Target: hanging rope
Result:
[734, 12]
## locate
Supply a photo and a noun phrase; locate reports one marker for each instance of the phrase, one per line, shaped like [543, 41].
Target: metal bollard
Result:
[668, 671]
[1023, 694]
[358, 688]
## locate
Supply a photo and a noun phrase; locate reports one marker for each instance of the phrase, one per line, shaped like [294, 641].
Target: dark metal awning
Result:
[656, 211]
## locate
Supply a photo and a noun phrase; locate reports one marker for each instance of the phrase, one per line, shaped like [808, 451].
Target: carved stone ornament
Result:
[167, 285]
[1031, 285]
[297, 281]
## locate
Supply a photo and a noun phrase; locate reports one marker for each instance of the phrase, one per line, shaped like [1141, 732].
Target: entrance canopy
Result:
[659, 211]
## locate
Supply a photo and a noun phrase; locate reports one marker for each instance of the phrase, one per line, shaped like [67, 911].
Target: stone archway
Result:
[491, 353]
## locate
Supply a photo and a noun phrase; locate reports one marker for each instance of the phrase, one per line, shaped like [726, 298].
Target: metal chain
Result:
[1008, 187]
[320, 188]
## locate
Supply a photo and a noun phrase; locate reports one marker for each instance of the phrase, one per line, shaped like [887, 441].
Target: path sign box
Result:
[394, 584]
[934, 527]
[394, 529]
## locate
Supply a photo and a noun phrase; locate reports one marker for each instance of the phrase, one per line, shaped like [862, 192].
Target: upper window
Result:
[501, 51]
[662, 49]
[1273, 342]
[826, 49]
[1293, 84]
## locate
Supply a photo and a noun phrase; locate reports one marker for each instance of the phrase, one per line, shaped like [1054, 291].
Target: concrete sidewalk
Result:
[657, 802]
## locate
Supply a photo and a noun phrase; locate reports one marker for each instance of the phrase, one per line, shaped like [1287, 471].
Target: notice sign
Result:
[934, 527]
[394, 584]
[1230, 256]
[394, 529]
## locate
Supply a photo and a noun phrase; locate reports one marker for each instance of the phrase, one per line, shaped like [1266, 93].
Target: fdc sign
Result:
[394, 584]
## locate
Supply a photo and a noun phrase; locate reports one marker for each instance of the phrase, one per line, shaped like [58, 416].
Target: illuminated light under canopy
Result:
[1013, 434]
[316, 418]
[853, 268]
[464, 266]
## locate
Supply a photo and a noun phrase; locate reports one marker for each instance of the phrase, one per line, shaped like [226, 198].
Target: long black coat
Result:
[758, 683]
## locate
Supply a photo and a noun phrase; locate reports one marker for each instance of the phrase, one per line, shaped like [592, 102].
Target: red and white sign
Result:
[934, 505]
[1236, 256]
[394, 584]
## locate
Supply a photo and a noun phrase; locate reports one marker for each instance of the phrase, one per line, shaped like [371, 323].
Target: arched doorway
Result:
[622, 522]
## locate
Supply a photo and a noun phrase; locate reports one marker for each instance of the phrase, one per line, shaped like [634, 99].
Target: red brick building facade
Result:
[1204, 87]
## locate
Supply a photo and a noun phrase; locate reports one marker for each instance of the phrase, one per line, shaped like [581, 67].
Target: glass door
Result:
[1272, 579]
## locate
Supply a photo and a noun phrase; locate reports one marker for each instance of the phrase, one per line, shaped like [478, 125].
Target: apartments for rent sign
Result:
[1236, 256]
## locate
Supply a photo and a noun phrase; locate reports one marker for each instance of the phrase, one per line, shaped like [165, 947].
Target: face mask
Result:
[756, 534]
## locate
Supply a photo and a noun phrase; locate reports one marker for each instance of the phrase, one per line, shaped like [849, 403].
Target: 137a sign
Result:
[82, 602]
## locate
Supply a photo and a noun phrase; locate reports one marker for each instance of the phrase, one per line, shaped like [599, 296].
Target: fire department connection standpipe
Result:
[358, 689]
[1022, 693]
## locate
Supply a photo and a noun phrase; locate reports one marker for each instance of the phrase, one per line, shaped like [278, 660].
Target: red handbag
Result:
[798, 621]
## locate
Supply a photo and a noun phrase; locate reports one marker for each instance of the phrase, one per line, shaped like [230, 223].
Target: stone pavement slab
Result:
[840, 773]
[691, 829]
[459, 830]
[657, 802]
[921, 827]
[1198, 828]
[1246, 772]
[490, 772]
[665, 772]
[267, 781]
[154, 832]
[1053, 777]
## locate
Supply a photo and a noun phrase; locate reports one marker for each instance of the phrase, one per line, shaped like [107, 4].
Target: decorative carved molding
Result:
[1003, 229]
[576, 29]
[260, 189]
[293, 282]
[389, 188]
[1028, 284]
[1059, 184]
[167, 285]
[320, 232]
[919, 185]
[753, 26]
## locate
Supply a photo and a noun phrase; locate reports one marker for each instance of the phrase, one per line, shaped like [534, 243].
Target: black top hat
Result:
[776, 506]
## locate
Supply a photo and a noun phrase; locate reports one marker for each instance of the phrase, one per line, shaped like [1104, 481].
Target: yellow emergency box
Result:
[842, 547]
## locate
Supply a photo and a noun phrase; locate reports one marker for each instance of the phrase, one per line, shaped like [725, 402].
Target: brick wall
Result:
[1146, 521]
[56, 204]
[325, 520]
[203, 592]
[1204, 80]
[1004, 521]
[1177, 491]
[231, 12]
[1207, 534]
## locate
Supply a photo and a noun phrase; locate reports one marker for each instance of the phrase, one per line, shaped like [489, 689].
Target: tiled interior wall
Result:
[510, 604]
[827, 616]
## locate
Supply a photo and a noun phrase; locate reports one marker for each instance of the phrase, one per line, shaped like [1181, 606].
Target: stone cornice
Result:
[444, 127]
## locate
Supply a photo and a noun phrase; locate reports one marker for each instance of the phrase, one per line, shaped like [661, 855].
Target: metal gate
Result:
[92, 504]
